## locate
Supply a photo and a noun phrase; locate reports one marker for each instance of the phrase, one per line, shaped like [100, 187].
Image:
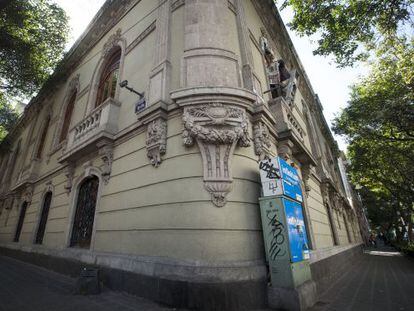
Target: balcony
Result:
[285, 120]
[101, 124]
[289, 130]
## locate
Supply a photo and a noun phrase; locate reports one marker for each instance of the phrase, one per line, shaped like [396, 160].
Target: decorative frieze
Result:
[216, 128]
[156, 140]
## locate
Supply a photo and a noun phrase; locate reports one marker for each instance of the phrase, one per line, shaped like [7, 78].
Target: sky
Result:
[328, 81]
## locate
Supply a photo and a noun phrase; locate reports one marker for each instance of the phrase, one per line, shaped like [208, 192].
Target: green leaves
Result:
[8, 117]
[32, 39]
[379, 126]
[349, 30]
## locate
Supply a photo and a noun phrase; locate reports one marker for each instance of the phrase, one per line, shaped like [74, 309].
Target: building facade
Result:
[162, 186]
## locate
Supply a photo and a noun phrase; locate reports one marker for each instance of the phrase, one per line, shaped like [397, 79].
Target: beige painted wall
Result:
[164, 211]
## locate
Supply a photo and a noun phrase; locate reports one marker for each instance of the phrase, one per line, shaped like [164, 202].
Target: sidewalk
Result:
[24, 287]
[383, 281]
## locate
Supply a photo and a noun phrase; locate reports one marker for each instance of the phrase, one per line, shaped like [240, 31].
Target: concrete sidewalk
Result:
[25, 287]
[382, 281]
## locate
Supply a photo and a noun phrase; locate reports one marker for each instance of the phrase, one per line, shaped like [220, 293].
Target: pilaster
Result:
[160, 74]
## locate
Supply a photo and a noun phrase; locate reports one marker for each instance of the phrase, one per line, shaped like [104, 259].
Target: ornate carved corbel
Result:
[27, 194]
[156, 140]
[107, 155]
[325, 193]
[261, 139]
[306, 171]
[284, 149]
[216, 128]
[69, 173]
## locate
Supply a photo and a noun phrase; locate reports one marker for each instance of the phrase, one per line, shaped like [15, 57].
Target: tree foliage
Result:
[379, 126]
[8, 117]
[350, 29]
[33, 34]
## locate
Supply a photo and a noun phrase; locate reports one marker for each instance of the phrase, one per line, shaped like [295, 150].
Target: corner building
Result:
[162, 192]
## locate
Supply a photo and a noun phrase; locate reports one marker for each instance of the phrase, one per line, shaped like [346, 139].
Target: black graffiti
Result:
[272, 172]
[277, 236]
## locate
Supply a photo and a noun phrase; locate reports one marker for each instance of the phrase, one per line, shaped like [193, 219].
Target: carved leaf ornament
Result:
[216, 128]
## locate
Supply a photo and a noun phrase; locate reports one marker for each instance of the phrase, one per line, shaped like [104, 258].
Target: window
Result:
[42, 139]
[85, 213]
[109, 78]
[43, 218]
[20, 222]
[68, 116]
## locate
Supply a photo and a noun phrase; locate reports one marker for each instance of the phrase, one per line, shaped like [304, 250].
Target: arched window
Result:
[42, 139]
[109, 78]
[43, 218]
[20, 222]
[85, 213]
[68, 116]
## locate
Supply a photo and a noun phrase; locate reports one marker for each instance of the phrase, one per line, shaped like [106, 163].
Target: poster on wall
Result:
[299, 249]
[290, 181]
[279, 178]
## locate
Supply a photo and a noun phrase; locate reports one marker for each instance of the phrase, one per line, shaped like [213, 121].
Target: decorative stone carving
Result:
[107, 156]
[284, 149]
[216, 128]
[156, 140]
[306, 171]
[69, 173]
[112, 42]
[261, 139]
[27, 194]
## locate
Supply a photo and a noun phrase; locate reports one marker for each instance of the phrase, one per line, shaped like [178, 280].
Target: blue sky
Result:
[330, 83]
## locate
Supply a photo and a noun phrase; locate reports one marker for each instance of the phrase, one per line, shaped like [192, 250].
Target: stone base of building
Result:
[214, 295]
[292, 299]
[327, 265]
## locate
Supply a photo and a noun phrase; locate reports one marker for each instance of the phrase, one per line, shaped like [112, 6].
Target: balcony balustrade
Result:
[100, 124]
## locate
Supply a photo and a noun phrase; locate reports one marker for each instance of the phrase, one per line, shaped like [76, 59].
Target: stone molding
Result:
[217, 128]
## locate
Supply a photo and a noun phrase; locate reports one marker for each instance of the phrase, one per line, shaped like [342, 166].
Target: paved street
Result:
[383, 282]
[24, 287]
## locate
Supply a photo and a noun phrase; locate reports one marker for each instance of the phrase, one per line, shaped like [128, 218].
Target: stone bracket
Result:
[155, 117]
[105, 151]
[217, 128]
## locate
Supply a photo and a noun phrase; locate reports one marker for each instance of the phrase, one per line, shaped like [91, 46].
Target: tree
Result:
[349, 30]
[8, 117]
[379, 125]
[33, 34]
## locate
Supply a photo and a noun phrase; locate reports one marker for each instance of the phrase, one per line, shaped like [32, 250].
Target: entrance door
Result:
[85, 213]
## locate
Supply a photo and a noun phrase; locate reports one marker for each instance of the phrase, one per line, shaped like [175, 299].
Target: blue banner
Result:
[290, 181]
